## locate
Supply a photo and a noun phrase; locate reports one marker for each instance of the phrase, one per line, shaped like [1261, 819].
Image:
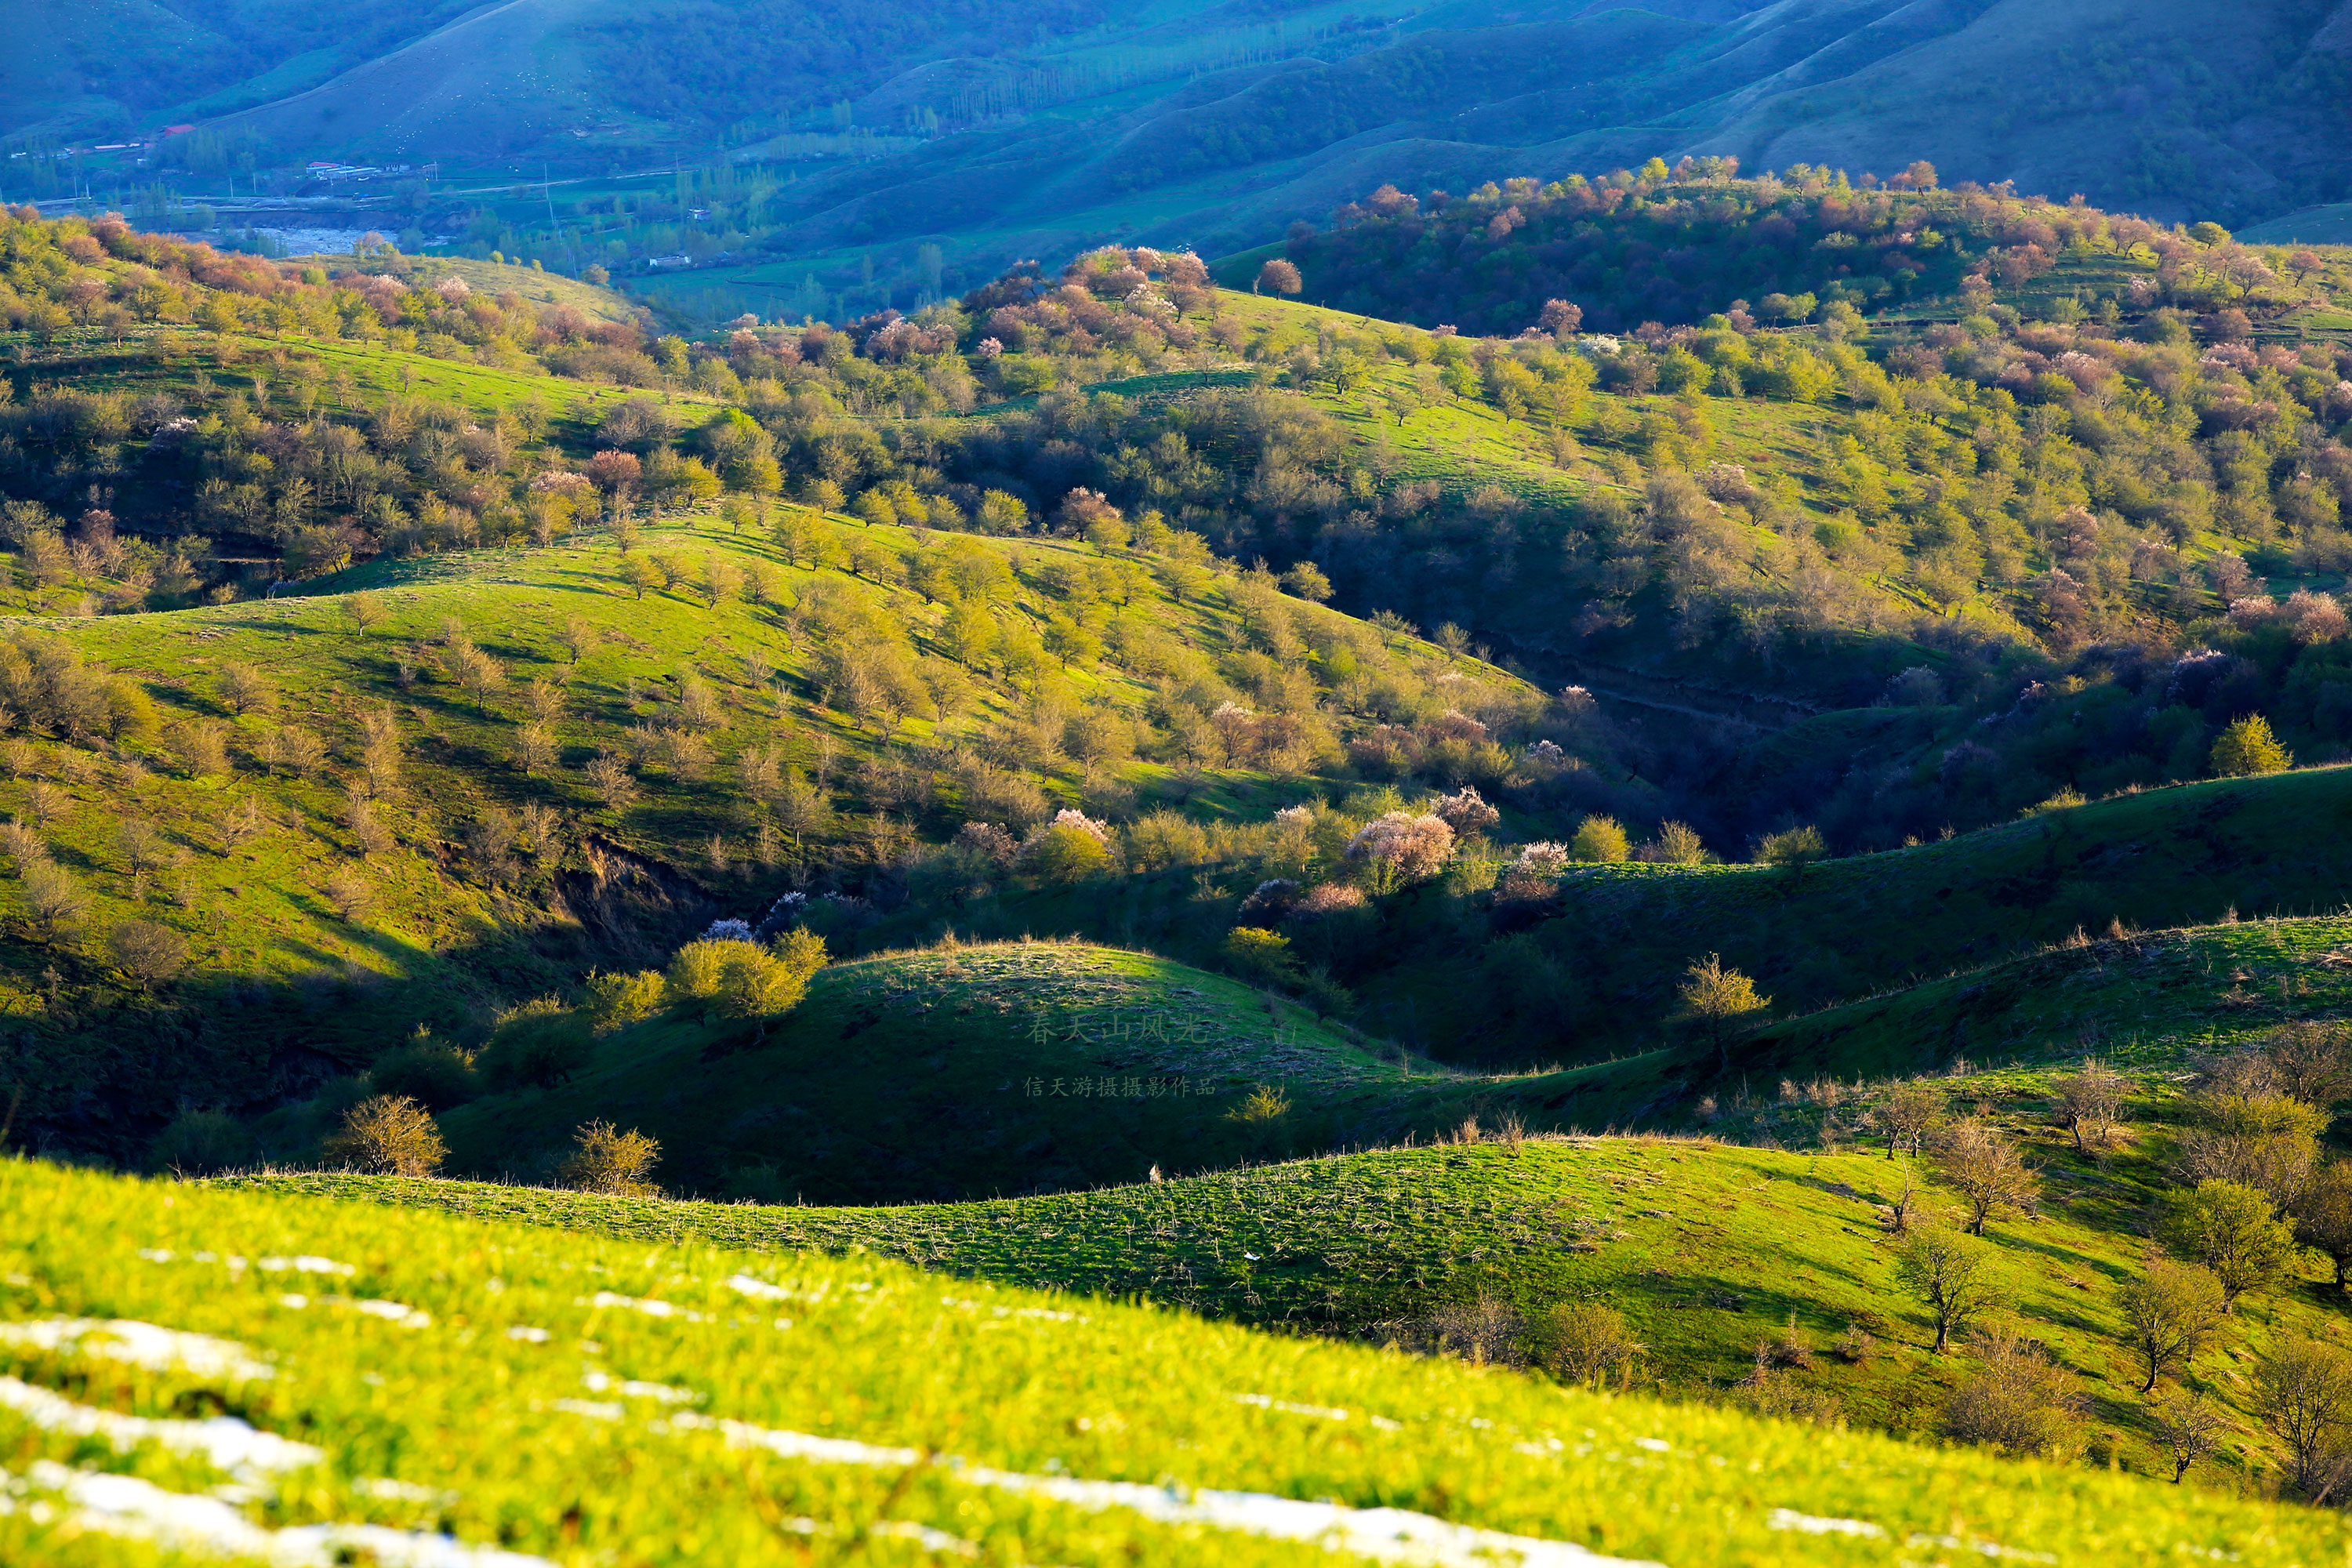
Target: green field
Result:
[572, 1400]
[1709, 1249]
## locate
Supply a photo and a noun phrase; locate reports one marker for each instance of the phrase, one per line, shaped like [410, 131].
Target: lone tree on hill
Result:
[1718, 1003]
[2247, 748]
[1278, 275]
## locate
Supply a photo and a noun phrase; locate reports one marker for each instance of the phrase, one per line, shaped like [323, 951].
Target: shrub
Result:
[618, 1001]
[2266, 1141]
[2017, 1400]
[1587, 1343]
[390, 1134]
[610, 1161]
[433, 1072]
[1466, 812]
[148, 952]
[1792, 850]
[1262, 1106]
[201, 1144]
[1062, 853]
[1260, 956]
[1781, 1396]
[1159, 839]
[1678, 844]
[1536, 873]
[989, 845]
[350, 893]
[537, 1045]
[2248, 747]
[1274, 897]
[1483, 1332]
[1402, 846]
[2231, 1229]
[742, 979]
[1599, 839]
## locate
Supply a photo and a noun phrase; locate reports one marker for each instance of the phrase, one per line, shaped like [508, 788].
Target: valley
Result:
[1627, 868]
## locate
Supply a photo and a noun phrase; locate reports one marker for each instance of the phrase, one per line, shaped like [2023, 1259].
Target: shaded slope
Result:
[1593, 972]
[974, 1071]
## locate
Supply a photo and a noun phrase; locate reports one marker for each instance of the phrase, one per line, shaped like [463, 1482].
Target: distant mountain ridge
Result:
[1218, 125]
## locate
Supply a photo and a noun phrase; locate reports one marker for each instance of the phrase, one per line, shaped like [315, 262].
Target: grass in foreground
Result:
[576, 1400]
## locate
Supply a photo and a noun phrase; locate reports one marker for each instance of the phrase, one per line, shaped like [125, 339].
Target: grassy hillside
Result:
[1591, 970]
[1709, 1249]
[567, 1398]
[971, 1071]
[495, 277]
[473, 870]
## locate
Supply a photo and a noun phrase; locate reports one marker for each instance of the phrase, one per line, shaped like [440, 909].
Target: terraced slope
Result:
[567, 1399]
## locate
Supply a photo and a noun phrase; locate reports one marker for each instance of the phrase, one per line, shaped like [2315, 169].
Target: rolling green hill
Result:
[970, 1071]
[1709, 1250]
[1591, 970]
[563, 1398]
[464, 870]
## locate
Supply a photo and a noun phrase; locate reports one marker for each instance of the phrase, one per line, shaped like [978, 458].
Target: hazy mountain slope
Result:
[501, 78]
[101, 68]
[1019, 134]
[2208, 107]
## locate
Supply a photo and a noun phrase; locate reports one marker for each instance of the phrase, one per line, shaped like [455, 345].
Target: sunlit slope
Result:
[1708, 1250]
[571, 1399]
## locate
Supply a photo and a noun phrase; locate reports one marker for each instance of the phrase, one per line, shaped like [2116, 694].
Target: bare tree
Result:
[1948, 1272]
[2087, 1102]
[54, 895]
[1908, 1114]
[245, 688]
[2323, 1216]
[609, 776]
[2188, 1428]
[1988, 1171]
[2302, 1393]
